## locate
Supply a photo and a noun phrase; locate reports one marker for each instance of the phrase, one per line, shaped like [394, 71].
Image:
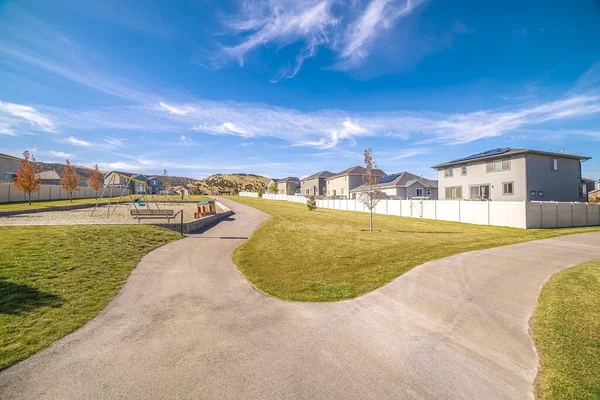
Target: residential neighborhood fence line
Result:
[515, 214]
[8, 193]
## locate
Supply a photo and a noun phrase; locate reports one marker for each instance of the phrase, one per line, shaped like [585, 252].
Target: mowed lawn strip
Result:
[324, 255]
[566, 331]
[55, 278]
[23, 205]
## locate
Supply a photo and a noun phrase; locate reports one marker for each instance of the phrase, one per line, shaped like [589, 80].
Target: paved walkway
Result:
[187, 325]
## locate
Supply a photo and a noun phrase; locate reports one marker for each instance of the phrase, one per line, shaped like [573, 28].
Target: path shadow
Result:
[16, 298]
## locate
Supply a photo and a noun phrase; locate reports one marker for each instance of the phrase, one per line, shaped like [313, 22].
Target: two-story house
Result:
[288, 185]
[512, 175]
[315, 184]
[155, 184]
[340, 185]
[8, 166]
[137, 183]
[403, 185]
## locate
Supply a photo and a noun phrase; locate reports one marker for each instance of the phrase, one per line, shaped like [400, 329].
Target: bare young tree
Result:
[370, 196]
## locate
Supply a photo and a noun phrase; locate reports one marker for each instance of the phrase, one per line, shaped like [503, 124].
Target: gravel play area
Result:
[118, 215]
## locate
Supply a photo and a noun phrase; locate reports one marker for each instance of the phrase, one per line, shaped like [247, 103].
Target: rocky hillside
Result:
[219, 183]
[87, 172]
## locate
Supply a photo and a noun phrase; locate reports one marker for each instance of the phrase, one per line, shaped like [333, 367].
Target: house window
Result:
[10, 176]
[454, 192]
[419, 192]
[448, 173]
[480, 192]
[540, 193]
[498, 165]
[463, 170]
[508, 188]
[428, 192]
[533, 193]
[554, 164]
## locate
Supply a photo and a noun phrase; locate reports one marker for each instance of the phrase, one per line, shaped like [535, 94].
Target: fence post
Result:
[181, 223]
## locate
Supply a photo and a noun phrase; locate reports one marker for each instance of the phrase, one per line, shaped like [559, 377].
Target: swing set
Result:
[121, 182]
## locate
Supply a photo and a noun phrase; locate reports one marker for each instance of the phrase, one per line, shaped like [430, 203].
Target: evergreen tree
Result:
[311, 203]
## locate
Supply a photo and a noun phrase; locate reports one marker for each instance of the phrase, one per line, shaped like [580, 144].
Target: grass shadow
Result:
[16, 298]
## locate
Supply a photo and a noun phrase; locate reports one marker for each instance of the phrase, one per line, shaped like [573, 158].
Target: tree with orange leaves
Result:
[95, 181]
[27, 180]
[69, 179]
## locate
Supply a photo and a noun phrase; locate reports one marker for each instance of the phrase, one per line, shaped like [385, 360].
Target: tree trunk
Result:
[29, 197]
[371, 221]
[71, 197]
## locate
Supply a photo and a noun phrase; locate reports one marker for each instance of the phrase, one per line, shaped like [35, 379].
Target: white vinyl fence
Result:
[8, 193]
[516, 214]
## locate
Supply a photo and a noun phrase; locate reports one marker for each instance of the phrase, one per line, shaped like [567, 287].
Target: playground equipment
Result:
[204, 208]
[121, 182]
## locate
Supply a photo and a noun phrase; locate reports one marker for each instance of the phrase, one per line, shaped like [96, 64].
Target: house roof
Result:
[52, 174]
[289, 179]
[320, 174]
[10, 157]
[503, 152]
[356, 170]
[400, 179]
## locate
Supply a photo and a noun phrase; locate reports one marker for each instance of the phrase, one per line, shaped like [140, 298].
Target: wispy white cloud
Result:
[348, 29]
[323, 129]
[181, 110]
[60, 154]
[76, 142]
[15, 117]
[40, 46]
[377, 16]
[282, 22]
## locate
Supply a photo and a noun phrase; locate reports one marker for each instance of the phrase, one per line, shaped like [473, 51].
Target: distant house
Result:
[315, 184]
[155, 184]
[271, 182]
[181, 189]
[53, 178]
[8, 166]
[121, 179]
[340, 185]
[512, 175]
[403, 185]
[288, 185]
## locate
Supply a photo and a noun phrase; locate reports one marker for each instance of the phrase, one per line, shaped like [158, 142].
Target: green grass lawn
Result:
[566, 331]
[23, 205]
[325, 256]
[54, 279]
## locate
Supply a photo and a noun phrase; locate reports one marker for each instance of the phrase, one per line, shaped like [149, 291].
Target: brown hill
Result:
[220, 183]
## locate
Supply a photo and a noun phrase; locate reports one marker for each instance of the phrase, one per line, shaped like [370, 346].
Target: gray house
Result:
[507, 174]
[155, 184]
[340, 185]
[8, 166]
[403, 185]
[315, 184]
[288, 185]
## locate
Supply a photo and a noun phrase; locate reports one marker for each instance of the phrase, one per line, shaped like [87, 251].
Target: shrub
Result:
[311, 203]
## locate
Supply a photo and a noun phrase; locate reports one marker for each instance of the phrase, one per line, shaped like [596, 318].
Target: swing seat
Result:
[139, 202]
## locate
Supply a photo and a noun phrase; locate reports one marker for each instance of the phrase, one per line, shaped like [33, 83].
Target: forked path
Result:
[187, 325]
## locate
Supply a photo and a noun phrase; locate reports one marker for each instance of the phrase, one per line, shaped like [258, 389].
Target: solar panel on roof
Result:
[388, 178]
[487, 153]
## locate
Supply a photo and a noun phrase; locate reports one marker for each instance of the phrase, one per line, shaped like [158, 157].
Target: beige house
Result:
[315, 184]
[8, 166]
[507, 174]
[289, 185]
[403, 185]
[340, 185]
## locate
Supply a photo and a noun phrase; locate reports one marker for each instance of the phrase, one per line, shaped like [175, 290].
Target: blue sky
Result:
[283, 88]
